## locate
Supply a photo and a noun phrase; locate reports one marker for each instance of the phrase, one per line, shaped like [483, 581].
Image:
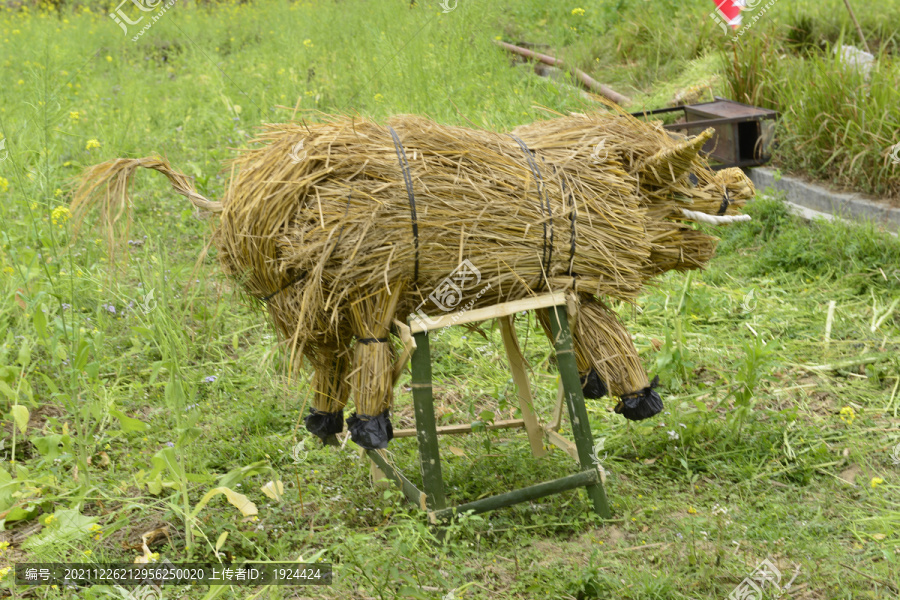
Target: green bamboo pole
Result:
[412, 493]
[423, 401]
[581, 427]
[569, 482]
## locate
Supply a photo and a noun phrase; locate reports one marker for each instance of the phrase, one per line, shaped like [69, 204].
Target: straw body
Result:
[344, 225]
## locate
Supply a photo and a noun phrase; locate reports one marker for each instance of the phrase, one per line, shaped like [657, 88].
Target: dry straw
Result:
[340, 228]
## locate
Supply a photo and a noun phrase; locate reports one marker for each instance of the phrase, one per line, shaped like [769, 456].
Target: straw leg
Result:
[423, 401]
[372, 374]
[520, 377]
[584, 365]
[608, 349]
[330, 392]
[581, 428]
[330, 389]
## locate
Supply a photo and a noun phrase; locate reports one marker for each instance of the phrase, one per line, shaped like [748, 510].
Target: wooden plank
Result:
[410, 491]
[581, 427]
[409, 345]
[418, 325]
[556, 420]
[423, 403]
[562, 443]
[463, 428]
[523, 388]
[585, 478]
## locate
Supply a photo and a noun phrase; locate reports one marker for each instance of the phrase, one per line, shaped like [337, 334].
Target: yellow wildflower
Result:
[92, 144]
[848, 414]
[379, 98]
[74, 115]
[692, 510]
[108, 58]
[4, 184]
[308, 43]
[876, 481]
[577, 12]
[50, 519]
[59, 215]
[3, 572]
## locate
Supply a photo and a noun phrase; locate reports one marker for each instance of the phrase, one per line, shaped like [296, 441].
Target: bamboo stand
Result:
[432, 499]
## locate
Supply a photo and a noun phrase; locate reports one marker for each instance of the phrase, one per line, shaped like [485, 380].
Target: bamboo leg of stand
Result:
[423, 400]
[581, 428]
[520, 377]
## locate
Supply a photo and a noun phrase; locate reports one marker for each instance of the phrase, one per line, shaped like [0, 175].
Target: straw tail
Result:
[106, 185]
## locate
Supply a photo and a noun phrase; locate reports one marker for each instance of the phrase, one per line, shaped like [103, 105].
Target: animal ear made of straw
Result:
[106, 186]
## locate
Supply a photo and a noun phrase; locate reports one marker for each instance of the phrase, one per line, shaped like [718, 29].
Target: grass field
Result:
[131, 390]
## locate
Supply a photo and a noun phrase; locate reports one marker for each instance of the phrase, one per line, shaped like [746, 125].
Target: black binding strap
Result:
[725, 202]
[573, 214]
[296, 279]
[407, 178]
[372, 340]
[302, 276]
[547, 252]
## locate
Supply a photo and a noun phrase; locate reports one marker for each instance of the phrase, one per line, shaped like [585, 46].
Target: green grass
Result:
[184, 391]
[835, 125]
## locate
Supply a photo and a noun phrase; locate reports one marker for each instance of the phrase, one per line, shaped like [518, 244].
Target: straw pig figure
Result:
[342, 227]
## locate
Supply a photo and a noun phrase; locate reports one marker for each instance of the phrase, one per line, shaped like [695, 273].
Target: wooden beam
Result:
[409, 346]
[463, 428]
[418, 325]
[588, 81]
[562, 443]
[585, 478]
[556, 420]
[523, 388]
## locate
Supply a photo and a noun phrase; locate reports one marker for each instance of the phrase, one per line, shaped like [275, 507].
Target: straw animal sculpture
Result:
[343, 226]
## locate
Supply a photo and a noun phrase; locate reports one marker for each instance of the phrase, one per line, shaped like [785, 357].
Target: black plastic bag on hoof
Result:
[369, 432]
[324, 424]
[592, 386]
[642, 404]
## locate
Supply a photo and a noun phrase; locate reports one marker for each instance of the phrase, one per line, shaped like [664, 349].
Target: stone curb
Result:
[822, 200]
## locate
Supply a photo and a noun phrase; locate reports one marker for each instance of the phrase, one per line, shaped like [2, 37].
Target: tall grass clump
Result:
[748, 75]
[837, 122]
[841, 128]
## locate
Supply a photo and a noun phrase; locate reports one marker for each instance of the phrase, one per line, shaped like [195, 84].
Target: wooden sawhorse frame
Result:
[432, 499]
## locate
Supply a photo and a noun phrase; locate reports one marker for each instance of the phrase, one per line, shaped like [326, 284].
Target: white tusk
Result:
[713, 219]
